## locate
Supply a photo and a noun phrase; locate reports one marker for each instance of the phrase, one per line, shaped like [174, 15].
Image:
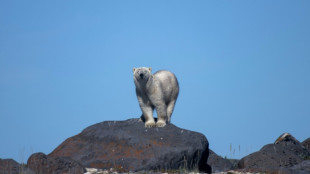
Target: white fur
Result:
[158, 91]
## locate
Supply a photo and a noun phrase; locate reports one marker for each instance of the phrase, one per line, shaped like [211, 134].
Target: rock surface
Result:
[43, 164]
[306, 143]
[282, 156]
[129, 146]
[9, 166]
[218, 163]
[286, 137]
[302, 168]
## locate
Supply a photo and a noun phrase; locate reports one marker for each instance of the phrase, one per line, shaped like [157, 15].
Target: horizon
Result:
[243, 69]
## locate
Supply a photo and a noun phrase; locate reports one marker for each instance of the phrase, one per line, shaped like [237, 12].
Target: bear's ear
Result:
[150, 69]
[134, 69]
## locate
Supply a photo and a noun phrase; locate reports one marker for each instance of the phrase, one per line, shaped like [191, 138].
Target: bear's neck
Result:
[149, 82]
[144, 86]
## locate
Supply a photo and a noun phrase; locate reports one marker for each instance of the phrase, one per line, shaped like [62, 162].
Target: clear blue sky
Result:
[243, 69]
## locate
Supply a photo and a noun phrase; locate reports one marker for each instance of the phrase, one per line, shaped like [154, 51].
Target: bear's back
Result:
[165, 76]
[169, 84]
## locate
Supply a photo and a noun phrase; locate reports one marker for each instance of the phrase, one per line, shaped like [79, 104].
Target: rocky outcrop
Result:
[283, 155]
[286, 137]
[9, 166]
[306, 143]
[219, 164]
[301, 168]
[129, 146]
[42, 164]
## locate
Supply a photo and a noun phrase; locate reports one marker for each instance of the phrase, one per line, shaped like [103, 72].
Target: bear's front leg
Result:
[162, 115]
[148, 116]
[150, 124]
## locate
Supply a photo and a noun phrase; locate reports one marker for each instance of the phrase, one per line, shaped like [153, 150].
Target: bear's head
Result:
[142, 74]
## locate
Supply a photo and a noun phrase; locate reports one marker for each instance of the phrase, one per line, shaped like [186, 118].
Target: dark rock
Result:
[9, 166]
[286, 137]
[129, 146]
[306, 143]
[43, 164]
[302, 168]
[284, 154]
[219, 164]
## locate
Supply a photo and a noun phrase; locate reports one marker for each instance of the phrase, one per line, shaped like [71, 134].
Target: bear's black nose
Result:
[141, 76]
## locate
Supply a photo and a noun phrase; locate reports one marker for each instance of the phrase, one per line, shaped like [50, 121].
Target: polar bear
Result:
[159, 91]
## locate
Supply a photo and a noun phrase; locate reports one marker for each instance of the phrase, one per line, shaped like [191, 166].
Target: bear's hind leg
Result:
[170, 110]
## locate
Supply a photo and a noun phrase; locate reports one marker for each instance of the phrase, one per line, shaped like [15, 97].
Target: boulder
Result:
[219, 164]
[43, 164]
[129, 146]
[286, 137]
[9, 166]
[301, 168]
[306, 143]
[285, 153]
